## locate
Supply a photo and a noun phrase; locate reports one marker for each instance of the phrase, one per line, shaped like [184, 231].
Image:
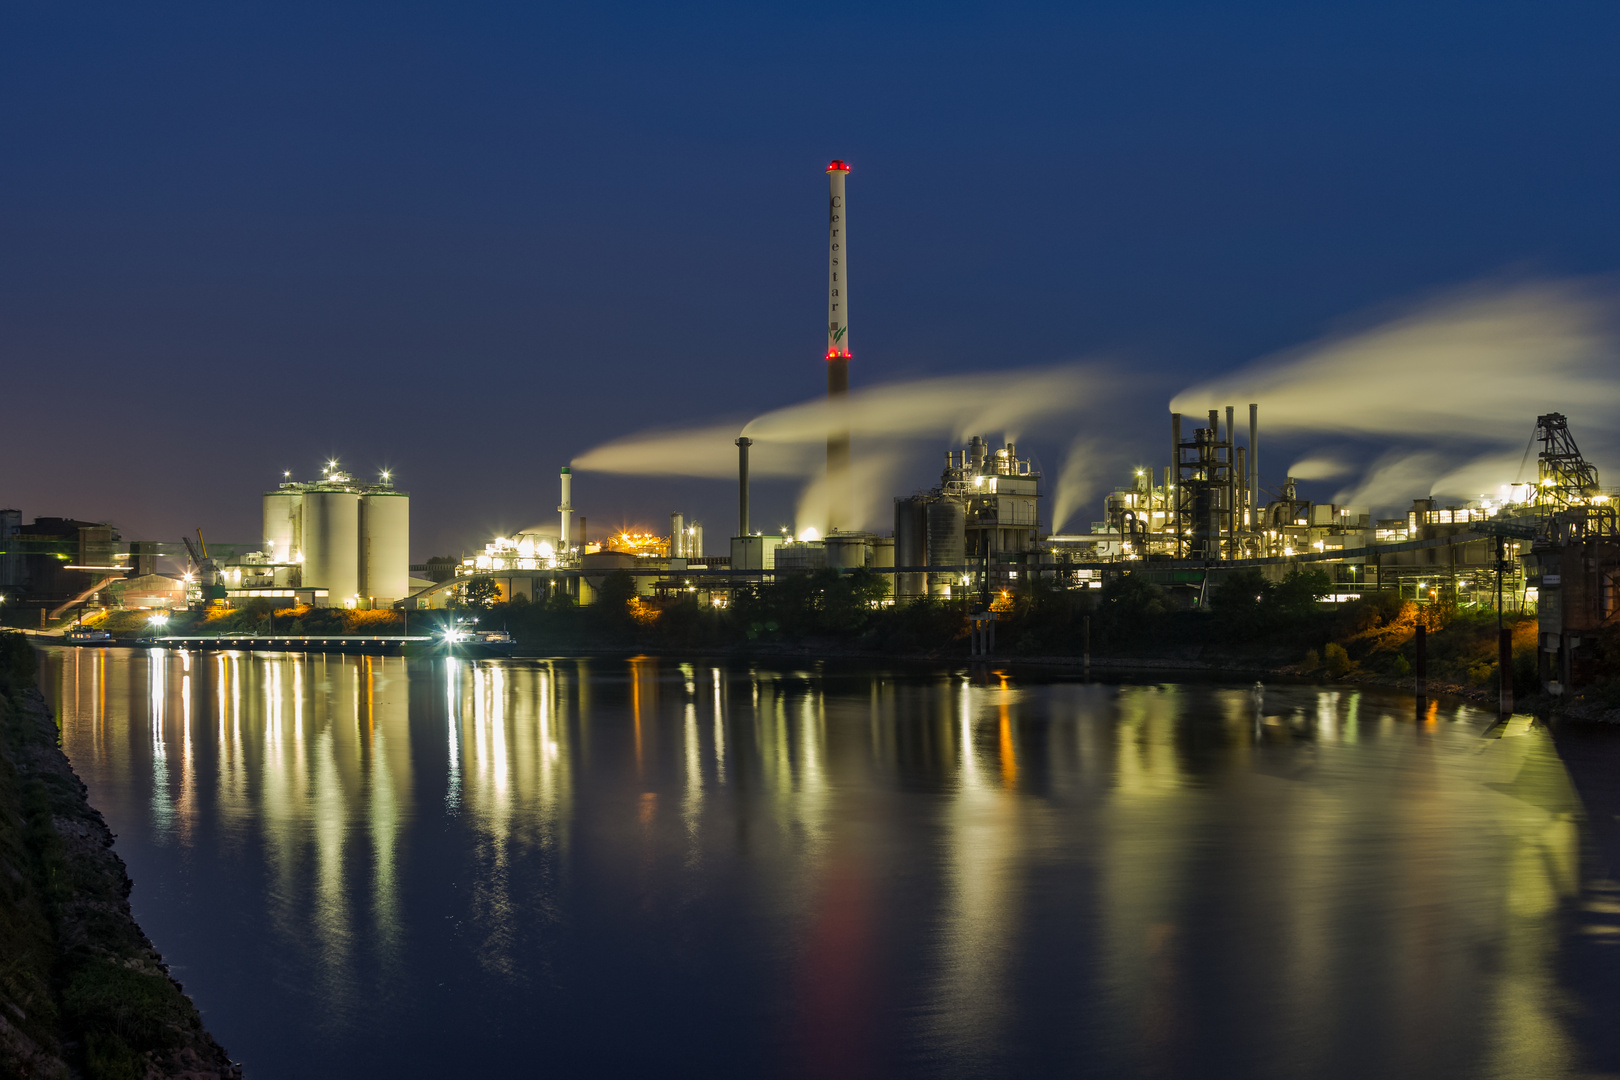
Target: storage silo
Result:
[331, 540]
[845, 551]
[385, 548]
[281, 514]
[910, 544]
[947, 542]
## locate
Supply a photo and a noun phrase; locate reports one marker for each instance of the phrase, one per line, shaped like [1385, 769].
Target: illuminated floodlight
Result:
[286, 474]
[810, 533]
[158, 618]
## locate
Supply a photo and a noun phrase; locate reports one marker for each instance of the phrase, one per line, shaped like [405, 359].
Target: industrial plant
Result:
[1550, 544]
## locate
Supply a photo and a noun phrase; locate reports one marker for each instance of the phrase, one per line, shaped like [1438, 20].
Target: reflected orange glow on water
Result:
[877, 867]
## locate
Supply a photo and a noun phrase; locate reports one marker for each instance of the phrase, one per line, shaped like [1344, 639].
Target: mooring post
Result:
[1085, 637]
[1421, 668]
[1504, 665]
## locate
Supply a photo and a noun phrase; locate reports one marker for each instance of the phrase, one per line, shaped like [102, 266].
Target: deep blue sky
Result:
[473, 240]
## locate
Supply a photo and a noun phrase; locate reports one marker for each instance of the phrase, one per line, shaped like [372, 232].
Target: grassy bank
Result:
[1249, 624]
[82, 991]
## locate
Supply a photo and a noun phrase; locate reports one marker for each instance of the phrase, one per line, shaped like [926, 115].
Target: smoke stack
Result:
[1254, 465]
[566, 507]
[1172, 486]
[743, 443]
[837, 349]
[1231, 485]
[677, 538]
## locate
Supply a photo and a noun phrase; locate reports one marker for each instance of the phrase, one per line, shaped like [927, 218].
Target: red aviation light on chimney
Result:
[838, 166]
[834, 354]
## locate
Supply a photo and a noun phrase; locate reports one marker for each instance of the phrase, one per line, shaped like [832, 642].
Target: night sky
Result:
[471, 241]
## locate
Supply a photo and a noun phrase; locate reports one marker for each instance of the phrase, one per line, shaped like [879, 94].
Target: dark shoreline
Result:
[87, 994]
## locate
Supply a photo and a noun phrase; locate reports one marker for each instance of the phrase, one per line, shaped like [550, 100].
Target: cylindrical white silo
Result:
[332, 545]
[385, 548]
[281, 525]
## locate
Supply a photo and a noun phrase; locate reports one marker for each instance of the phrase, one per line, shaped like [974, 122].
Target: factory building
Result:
[332, 542]
[985, 513]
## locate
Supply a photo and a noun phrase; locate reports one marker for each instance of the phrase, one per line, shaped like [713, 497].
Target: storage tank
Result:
[947, 542]
[331, 540]
[845, 551]
[281, 540]
[910, 544]
[385, 548]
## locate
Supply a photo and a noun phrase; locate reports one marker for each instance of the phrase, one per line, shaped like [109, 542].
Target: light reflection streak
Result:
[315, 781]
[452, 724]
[692, 797]
[985, 852]
[157, 670]
[719, 733]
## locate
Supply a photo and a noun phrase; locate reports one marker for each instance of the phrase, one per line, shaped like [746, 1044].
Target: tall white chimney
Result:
[837, 348]
[566, 509]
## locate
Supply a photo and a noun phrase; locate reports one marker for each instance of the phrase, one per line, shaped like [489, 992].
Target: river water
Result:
[369, 866]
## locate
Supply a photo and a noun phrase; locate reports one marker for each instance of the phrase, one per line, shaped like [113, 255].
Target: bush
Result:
[1400, 667]
[1311, 662]
[1335, 661]
[1295, 596]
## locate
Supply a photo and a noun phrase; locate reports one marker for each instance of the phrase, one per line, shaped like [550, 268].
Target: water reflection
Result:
[822, 872]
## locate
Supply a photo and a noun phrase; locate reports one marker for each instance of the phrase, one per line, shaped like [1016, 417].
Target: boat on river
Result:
[87, 635]
[471, 641]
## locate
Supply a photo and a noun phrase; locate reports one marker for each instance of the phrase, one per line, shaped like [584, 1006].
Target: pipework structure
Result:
[985, 512]
[838, 355]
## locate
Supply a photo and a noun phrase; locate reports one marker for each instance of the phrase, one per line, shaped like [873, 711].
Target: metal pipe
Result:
[1243, 492]
[1173, 490]
[743, 443]
[1254, 466]
[1231, 486]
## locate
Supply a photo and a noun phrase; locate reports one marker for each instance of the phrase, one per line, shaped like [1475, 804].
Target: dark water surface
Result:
[373, 866]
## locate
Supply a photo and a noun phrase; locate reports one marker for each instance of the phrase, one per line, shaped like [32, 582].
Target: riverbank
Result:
[82, 990]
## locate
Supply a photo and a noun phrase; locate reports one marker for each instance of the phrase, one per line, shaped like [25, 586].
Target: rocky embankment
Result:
[82, 990]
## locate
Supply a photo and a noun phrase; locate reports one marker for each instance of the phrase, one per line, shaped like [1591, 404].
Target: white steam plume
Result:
[872, 475]
[1451, 378]
[1484, 475]
[1319, 467]
[1395, 478]
[1480, 360]
[881, 420]
[1076, 483]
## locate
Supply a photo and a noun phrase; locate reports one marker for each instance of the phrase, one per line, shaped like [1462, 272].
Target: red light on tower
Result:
[838, 166]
